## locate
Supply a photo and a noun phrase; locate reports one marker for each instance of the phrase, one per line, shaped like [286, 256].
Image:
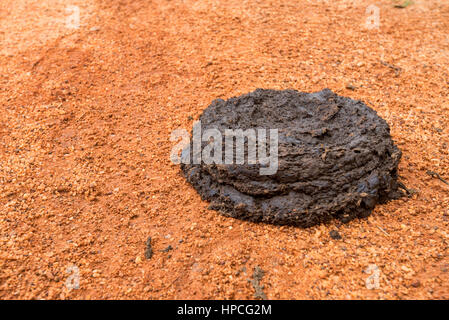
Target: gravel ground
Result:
[86, 116]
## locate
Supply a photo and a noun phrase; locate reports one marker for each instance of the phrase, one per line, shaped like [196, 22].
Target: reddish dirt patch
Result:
[84, 147]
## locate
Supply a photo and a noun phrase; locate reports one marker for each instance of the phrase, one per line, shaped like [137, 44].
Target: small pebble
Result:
[350, 86]
[335, 235]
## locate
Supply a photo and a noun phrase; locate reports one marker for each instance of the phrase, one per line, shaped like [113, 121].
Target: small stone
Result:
[335, 235]
[350, 87]
[416, 284]
[406, 269]
[167, 249]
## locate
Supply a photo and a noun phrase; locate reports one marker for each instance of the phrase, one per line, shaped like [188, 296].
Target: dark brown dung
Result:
[336, 159]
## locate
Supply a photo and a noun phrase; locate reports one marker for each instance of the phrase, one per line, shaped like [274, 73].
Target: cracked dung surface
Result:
[336, 159]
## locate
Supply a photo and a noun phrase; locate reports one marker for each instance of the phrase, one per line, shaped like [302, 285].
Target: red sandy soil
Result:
[86, 116]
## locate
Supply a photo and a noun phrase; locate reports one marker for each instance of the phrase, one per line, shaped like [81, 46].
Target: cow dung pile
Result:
[336, 159]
